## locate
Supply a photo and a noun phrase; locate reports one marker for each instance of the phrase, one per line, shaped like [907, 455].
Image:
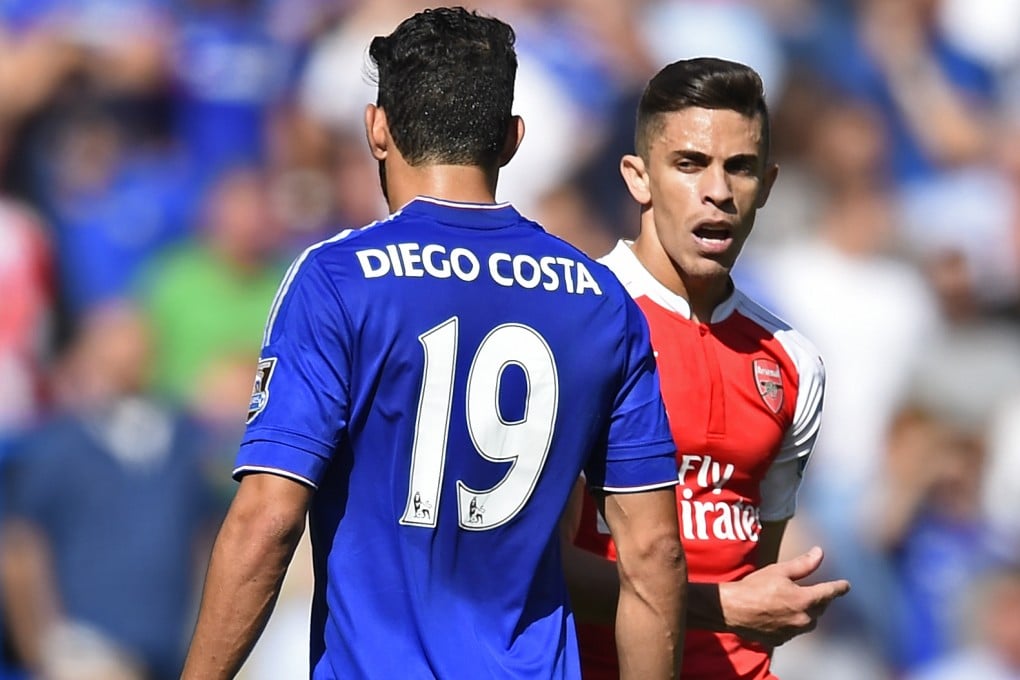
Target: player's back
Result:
[484, 362]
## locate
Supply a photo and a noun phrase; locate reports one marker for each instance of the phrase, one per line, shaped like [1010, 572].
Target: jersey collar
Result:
[461, 214]
[639, 282]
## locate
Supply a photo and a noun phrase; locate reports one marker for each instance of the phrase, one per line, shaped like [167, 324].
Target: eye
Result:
[687, 165]
[744, 167]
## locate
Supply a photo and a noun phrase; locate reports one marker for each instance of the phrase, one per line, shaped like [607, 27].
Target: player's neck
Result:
[702, 293]
[705, 294]
[461, 183]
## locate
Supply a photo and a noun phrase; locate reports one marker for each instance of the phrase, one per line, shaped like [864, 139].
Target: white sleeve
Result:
[780, 485]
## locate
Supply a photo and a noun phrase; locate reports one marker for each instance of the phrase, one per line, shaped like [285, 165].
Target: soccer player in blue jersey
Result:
[429, 389]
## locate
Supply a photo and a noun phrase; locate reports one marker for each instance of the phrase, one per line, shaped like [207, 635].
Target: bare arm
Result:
[249, 560]
[653, 582]
[29, 590]
[948, 126]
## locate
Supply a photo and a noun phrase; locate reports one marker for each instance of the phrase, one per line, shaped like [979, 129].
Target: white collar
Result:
[639, 282]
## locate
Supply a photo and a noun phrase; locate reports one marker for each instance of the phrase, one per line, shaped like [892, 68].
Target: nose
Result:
[715, 187]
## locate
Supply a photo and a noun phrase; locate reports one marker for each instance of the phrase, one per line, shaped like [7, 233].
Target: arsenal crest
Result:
[769, 381]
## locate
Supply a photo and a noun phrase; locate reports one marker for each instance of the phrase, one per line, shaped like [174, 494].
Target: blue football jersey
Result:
[441, 378]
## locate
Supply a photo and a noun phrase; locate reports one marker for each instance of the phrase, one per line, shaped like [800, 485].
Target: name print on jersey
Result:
[432, 259]
[708, 519]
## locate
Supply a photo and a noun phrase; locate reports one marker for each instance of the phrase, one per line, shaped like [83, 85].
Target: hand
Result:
[768, 606]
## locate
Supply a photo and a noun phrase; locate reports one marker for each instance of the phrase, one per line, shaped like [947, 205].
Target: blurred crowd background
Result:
[162, 161]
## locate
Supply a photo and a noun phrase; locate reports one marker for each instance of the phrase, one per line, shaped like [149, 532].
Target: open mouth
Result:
[713, 238]
[712, 233]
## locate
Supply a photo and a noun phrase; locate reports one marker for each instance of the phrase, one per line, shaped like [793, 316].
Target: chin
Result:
[703, 268]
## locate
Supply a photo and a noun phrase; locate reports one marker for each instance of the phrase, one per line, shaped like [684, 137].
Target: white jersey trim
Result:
[639, 282]
[274, 471]
[637, 489]
[292, 271]
[458, 204]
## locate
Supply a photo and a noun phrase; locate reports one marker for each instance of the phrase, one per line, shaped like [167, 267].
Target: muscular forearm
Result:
[248, 564]
[650, 616]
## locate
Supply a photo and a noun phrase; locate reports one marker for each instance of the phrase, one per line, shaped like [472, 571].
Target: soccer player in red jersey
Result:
[742, 389]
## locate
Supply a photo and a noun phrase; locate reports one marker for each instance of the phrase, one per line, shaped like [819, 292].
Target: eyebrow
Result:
[687, 154]
[704, 159]
[751, 159]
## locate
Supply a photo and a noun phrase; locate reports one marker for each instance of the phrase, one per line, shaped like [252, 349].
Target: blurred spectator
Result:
[208, 300]
[974, 215]
[737, 30]
[336, 83]
[892, 55]
[927, 516]
[26, 338]
[228, 71]
[60, 53]
[972, 366]
[323, 179]
[1001, 498]
[26, 315]
[106, 514]
[988, 31]
[994, 632]
[114, 207]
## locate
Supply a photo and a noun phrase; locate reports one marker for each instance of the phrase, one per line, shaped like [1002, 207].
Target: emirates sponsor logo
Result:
[703, 520]
[713, 519]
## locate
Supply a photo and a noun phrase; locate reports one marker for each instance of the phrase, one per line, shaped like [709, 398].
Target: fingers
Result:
[802, 565]
[824, 593]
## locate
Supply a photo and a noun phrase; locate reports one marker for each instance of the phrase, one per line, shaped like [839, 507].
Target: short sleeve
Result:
[300, 398]
[640, 453]
[781, 483]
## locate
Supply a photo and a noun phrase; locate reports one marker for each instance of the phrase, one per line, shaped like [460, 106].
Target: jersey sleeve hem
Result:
[270, 449]
[637, 489]
[656, 467]
[249, 469]
[778, 516]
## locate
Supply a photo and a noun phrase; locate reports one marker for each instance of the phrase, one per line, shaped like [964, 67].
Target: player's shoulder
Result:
[626, 268]
[799, 347]
[334, 250]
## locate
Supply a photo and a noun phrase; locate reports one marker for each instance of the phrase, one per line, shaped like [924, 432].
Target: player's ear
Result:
[377, 131]
[635, 176]
[771, 172]
[514, 137]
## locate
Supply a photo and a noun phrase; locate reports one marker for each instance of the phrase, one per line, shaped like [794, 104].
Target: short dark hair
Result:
[705, 82]
[446, 82]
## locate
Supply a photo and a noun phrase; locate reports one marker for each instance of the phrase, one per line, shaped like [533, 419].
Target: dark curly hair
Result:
[446, 82]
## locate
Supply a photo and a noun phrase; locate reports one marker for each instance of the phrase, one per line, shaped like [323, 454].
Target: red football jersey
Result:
[744, 397]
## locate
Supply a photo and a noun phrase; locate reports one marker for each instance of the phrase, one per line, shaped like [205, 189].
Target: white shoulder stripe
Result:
[288, 278]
